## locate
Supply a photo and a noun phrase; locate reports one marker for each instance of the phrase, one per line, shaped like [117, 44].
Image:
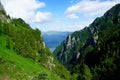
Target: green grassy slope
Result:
[23, 53]
[23, 47]
[13, 66]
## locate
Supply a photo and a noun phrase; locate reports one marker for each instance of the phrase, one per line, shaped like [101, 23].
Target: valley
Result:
[28, 53]
[54, 38]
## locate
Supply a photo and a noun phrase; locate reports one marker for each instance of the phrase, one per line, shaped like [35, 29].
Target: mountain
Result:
[24, 55]
[54, 38]
[94, 52]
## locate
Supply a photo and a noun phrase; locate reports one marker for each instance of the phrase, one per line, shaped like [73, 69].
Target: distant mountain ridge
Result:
[54, 38]
[94, 52]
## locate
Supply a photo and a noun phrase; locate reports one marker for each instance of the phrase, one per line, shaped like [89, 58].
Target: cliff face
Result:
[1, 6]
[3, 17]
[92, 45]
[24, 48]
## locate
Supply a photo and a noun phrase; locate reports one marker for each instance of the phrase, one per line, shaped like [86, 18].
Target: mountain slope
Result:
[94, 52]
[54, 38]
[23, 54]
[15, 67]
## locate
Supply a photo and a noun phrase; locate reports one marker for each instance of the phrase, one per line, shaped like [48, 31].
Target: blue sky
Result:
[58, 15]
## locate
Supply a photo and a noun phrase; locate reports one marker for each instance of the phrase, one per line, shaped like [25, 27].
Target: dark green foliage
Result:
[20, 22]
[94, 52]
[8, 43]
[1, 28]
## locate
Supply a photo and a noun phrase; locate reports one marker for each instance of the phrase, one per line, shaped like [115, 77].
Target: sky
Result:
[58, 15]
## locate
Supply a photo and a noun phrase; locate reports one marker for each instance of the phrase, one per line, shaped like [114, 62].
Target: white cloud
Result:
[64, 24]
[27, 10]
[42, 17]
[72, 16]
[90, 8]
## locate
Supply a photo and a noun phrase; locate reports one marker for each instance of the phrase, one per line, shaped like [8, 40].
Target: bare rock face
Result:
[3, 16]
[1, 6]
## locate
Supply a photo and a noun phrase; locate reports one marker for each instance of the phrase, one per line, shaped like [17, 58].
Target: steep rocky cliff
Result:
[95, 48]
